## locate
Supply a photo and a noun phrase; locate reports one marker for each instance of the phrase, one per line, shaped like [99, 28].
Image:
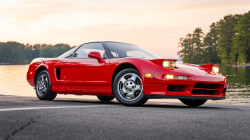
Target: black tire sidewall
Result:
[139, 101]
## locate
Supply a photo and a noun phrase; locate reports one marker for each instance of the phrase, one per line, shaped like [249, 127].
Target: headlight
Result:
[215, 69]
[168, 64]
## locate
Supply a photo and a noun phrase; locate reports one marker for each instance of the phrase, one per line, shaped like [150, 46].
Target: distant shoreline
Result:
[239, 65]
[5, 63]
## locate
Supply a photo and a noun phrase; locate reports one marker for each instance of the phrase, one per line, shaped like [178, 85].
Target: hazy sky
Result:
[155, 25]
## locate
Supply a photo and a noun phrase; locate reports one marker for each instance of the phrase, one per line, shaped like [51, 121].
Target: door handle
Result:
[65, 61]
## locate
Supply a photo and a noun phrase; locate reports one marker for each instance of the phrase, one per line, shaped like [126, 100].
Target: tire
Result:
[128, 88]
[43, 86]
[193, 102]
[105, 98]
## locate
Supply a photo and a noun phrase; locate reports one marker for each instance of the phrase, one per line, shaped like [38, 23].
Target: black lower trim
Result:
[181, 97]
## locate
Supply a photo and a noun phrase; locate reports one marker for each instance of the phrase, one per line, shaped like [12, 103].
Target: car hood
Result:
[188, 68]
[192, 69]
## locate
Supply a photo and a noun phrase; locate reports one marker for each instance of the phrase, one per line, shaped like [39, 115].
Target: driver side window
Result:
[85, 49]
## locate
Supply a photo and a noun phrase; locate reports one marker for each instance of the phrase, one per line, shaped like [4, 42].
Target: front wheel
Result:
[193, 102]
[43, 86]
[128, 88]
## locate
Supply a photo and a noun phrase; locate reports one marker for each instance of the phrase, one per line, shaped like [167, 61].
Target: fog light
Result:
[169, 76]
[148, 75]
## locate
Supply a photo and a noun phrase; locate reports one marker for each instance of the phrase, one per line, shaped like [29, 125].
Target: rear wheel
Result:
[193, 102]
[128, 89]
[43, 86]
[105, 98]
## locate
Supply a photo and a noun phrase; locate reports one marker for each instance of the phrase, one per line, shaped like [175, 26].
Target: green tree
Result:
[210, 53]
[16, 53]
[226, 31]
[198, 37]
[186, 51]
[241, 39]
[192, 47]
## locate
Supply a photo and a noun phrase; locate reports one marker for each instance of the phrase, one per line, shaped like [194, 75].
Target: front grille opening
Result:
[209, 86]
[174, 88]
[224, 90]
[205, 92]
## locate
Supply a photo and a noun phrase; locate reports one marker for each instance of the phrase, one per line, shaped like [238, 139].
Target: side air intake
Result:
[58, 73]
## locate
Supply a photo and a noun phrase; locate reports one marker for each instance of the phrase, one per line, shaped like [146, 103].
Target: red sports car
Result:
[126, 72]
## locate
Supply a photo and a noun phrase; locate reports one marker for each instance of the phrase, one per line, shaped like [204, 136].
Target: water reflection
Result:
[239, 84]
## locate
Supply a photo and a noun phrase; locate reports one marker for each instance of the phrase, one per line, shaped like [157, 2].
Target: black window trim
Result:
[108, 52]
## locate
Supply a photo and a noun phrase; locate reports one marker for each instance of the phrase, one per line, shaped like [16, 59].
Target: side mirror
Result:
[95, 55]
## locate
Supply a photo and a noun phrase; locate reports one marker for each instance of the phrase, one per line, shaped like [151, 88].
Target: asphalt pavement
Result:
[25, 118]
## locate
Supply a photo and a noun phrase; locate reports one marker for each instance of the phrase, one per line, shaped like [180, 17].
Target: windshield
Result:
[120, 50]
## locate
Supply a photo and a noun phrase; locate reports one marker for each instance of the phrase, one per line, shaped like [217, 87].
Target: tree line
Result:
[12, 52]
[227, 42]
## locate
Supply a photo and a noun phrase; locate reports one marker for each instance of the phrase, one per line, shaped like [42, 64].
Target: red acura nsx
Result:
[126, 72]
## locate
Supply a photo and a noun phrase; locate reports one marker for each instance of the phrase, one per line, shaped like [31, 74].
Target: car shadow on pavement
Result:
[181, 106]
[151, 105]
[25, 100]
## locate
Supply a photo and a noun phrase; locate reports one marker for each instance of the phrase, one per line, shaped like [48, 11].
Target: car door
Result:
[80, 72]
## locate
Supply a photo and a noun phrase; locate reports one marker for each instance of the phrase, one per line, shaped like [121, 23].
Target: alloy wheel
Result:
[42, 85]
[130, 87]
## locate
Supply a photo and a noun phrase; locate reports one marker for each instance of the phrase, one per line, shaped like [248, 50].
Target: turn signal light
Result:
[148, 75]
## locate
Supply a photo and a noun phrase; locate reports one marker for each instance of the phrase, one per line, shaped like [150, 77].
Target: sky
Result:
[155, 25]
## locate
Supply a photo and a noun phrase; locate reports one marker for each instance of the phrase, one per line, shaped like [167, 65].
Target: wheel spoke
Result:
[44, 90]
[43, 78]
[40, 92]
[122, 92]
[123, 80]
[138, 87]
[133, 77]
[131, 95]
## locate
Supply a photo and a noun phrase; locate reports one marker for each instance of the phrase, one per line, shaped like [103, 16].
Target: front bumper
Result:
[182, 97]
[191, 90]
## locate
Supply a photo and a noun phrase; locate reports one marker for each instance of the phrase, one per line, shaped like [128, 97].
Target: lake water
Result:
[13, 82]
[239, 84]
